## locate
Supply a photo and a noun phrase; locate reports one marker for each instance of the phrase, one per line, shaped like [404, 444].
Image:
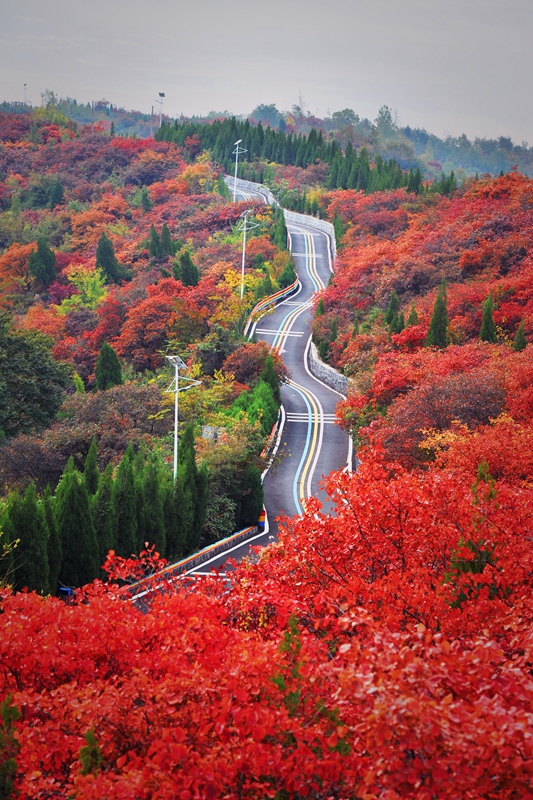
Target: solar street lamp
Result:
[236, 154]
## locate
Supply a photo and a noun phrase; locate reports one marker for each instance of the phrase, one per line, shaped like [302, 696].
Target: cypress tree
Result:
[154, 519]
[338, 227]
[172, 500]
[56, 194]
[392, 309]
[520, 341]
[76, 530]
[108, 371]
[154, 247]
[252, 496]
[54, 550]
[106, 259]
[413, 318]
[185, 270]
[268, 375]
[488, 328]
[25, 520]
[146, 203]
[167, 248]
[42, 264]
[188, 479]
[124, 506]
[279, 236]
[91, 474]
[438, 327]
[103, 514]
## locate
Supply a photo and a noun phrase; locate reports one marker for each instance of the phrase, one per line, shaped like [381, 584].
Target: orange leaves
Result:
[14, 267]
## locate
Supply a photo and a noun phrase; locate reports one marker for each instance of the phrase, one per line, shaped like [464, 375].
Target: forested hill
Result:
[384, 136]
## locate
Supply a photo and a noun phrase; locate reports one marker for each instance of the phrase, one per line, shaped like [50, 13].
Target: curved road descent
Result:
[309, 445]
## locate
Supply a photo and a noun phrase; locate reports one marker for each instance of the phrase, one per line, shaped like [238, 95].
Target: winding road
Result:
[309, 444]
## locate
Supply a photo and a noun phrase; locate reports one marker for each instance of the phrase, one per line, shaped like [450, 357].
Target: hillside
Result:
[120, 252]
[380, 651]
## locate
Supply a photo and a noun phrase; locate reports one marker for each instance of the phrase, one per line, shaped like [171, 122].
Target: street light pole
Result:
[160, 101]
[245, 225]
[236, 154]
[178, 364]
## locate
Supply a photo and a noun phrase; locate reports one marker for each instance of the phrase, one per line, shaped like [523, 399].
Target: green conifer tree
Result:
[268, 375]
[167, 248]
[146, 203]
[520, 341]
[57, 194]
[252, 496]
[488, 328]
[154, 247]
[188, 480]
[25, 521]
[338, 227]
[103, 514]
[172, 501]
[106, 259]
[438, 327]
[42, 264]
[154, 519]
[108, 371]
[413, 318]
[124, 506]
[185, 270]
[392, 309]
[91, 474]
[279, 236]
[76, 530]
[54, 550]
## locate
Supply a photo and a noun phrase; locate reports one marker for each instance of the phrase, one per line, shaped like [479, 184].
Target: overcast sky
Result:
[450, 66]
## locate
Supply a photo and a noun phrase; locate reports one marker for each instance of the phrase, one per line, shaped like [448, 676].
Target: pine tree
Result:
[42, 264]
[252, 496]
[124, 506]
[338, 227]
[76, 530]
[154, 519]
[188, 480]
[488, 328]
[268, 375]
[185, 270]
[392, 309]
[413, 318]
[25, 521]
[103, 514]
[56, 194]
[154, 247]
[520, 341]
[146, 203]
[108, 371]
[54, 550]
[106, 259]
[279, 236]
[167, 248]
[91, 474]
[172, 500]
[438, 327]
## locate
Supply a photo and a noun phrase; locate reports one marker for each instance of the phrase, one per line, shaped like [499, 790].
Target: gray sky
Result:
[450, 66]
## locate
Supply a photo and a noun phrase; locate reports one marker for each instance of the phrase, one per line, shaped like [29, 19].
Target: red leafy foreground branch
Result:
[381, 652]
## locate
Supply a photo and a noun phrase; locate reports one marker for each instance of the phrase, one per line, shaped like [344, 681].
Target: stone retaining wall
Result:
[328, 375]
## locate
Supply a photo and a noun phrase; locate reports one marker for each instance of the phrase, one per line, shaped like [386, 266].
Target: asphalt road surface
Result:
[310, 445]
